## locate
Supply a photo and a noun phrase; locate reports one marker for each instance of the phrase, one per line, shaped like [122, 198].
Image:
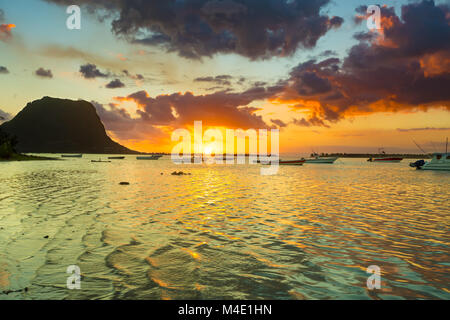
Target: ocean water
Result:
[223, 232]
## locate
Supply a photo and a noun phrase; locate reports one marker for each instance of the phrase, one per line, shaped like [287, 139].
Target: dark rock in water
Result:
[53, 125]
[180, 173]
[124, 183]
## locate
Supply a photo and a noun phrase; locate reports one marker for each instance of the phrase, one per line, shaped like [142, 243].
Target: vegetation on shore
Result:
[9, 153]
[376, 155]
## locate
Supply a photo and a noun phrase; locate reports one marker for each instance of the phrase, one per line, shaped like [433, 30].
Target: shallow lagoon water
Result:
[223, 232]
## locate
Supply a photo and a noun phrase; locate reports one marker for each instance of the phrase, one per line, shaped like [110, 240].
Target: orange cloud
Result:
[216, 109]
[405, 70]
[434, 64]
[121, 57]
[5, 31]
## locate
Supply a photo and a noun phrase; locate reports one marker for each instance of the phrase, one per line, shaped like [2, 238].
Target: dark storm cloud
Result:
[259, 84]
[114, 118]
[114, 84]
[41, 72]
[423, 28]
[278, 123]
[3, 70]
[313, 121]
[120, 122]
[202, 28]
[133, 76]
[309, 78]
[365, 36]
[405, 68]
[90, 71]
[328, 53]
[223, 80]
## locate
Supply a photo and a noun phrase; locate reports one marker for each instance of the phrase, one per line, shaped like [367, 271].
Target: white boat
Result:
[319, 159]
[440, 161]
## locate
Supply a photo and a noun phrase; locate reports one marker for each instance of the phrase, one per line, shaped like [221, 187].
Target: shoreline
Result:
[24, 157]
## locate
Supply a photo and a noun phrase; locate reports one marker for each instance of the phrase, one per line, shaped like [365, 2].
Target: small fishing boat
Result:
[71, 155]
[320, 159]
[116, 158]
[292, 162]
[152, 157]
[99, 160]
[384, 158]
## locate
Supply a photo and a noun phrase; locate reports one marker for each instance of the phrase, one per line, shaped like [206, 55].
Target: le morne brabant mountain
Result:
[53, 125]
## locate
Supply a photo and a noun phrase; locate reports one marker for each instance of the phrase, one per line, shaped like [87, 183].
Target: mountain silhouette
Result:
[52, 125]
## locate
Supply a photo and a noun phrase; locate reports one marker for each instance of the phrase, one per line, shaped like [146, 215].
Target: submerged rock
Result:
[180, 173]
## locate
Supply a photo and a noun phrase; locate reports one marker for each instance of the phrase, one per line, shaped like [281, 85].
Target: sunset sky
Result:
[310, 68]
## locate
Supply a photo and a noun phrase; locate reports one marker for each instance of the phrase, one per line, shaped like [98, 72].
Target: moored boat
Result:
[385, 159]
[299, 162]
[116, 158]
[440, 162]
[321, 159]
[152, 157]
[71, 155]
